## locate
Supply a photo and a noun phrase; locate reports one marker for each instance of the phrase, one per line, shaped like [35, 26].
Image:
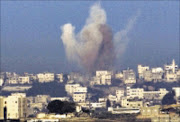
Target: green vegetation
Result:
[168, 99]
[61, 107]
[53, 89]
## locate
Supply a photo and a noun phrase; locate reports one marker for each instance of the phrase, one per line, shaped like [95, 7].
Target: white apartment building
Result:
[71, 87]
[97, 105]
[129, 76]
[59, 77]
[79, 97]
[134, 93]
[177, 91]
[103, 77]
[171, 77]
[24, 79]
[12, 80]
[141, 70]
[119, 94]
[45, 77]
[1, 81]
[155, 94]
[14, 106]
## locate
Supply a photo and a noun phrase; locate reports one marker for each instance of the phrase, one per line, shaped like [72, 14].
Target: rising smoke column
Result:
[121, 38]
[93, 47]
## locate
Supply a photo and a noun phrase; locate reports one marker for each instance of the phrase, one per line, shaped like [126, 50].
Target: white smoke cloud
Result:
[121, 38]
[85, 47]
[79, 46]
[69, 41]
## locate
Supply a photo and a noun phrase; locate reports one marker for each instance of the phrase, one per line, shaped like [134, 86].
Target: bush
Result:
[61, 107]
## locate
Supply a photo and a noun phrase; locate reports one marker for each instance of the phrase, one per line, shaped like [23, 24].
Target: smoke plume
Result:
[93, 47]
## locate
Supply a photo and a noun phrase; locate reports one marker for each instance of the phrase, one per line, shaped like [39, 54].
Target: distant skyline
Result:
[30, 33]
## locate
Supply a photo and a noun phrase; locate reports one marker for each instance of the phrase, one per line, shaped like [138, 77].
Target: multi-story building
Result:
[71, 87]
[153, 75]
[171, 72]
[171, 77]
[149, 95]
[24, 80]
[129, 76]
[59, 77]
[103, 77]
[119, 94]
[134, 92]
[79, 97]
[12, 80]
[141, 70]
[13, 107]
[45, 77]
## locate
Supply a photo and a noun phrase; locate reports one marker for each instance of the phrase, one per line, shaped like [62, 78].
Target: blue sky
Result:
[30, 32]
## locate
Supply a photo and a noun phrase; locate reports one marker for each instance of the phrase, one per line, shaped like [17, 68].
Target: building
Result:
[103, 77]
[71, 87]
[141, 70]
[134, 93]
[170, 72]
[129, 103]
[150, 111]
[79, 97]
[80, 89]
[1, 107]
[177, 91]
[171, 67]
[59, 77]
[129, 76]
[1, 81]
[23, 80]
[14, 106]
[96, 105]
[149, 95]
[153, 75]
[12, 80]
[45, 77]
[171, 77]
[119, 94]
[123, 110]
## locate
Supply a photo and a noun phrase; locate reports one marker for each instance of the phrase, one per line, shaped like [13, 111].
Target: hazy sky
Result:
[30, 33]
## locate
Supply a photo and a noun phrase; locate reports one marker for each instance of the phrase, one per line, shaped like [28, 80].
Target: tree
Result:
[168, 99]
[108, 103]
[61, 107]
